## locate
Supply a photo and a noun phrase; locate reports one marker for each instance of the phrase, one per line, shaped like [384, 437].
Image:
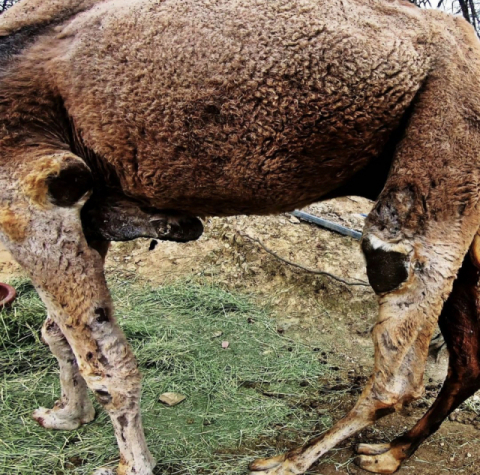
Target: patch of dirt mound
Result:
[233, 253]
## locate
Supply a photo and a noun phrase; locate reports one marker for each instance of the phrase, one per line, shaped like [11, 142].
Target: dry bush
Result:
[4, 4]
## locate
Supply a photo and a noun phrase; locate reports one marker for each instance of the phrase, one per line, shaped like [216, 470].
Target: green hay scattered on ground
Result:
[237, 399]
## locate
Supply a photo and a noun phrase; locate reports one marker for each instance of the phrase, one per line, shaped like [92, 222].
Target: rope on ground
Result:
[299, 266]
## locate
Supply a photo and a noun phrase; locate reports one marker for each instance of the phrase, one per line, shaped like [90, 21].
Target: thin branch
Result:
[465, 11]
[299, 266]
[473, 13]
[5, 4]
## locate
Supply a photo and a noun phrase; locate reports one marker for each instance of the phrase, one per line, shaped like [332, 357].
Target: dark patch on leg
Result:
[66, 188]
[40, 421]
[103, 397]
[102, 359]
[385, 411]
[102, 315]
[386, 270]
[387, 342]
[60, 404]
[123, 421]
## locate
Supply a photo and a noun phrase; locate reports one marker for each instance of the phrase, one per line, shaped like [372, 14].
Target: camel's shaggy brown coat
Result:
[218, 107]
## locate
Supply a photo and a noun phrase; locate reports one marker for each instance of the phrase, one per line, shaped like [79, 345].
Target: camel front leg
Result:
[40, 225]
[414, 242]
[461, 328]
[412, 278]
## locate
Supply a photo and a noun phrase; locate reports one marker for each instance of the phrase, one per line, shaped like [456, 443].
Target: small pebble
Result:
[225, 344]
[172, 399]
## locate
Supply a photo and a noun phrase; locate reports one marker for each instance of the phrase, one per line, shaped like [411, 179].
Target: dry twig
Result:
[299, 266]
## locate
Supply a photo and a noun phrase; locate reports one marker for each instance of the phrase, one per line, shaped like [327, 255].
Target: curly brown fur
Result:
[38, 13]
[13, 224]
[220, 107]
[259, 101]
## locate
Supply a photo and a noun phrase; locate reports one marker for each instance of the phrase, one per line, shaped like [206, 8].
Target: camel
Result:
[121, 119]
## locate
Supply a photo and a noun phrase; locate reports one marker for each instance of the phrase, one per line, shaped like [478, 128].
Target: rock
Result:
[172, 399]
[225, 344]
[217, 334]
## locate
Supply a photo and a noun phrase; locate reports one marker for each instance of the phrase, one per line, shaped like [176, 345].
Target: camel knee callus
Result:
[386, 269]
[71, 183]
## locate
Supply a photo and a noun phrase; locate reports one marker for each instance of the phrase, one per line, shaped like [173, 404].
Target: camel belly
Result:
[238, 108]
[259, 184]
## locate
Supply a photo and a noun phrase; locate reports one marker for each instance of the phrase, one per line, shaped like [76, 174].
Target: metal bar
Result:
[338, 228]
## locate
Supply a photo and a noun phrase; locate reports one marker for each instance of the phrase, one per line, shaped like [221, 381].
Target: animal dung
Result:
[172, 399]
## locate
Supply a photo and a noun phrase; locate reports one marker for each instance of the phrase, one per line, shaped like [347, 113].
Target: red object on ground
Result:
[7, 295]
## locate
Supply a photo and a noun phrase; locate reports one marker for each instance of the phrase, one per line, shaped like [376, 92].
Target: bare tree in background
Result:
[469, 9]
[4, 4]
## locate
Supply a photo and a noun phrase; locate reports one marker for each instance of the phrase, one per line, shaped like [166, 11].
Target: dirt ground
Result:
[334, 317]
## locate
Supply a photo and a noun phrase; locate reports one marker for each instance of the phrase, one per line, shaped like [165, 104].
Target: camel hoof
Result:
[382, 463]
[123, 470]
[265, 464]
[278, 465]
[104, 471]
[372, 449]
[62, 419]
[143, 466]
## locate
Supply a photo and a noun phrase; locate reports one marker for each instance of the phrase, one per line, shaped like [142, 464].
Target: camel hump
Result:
[36, 14]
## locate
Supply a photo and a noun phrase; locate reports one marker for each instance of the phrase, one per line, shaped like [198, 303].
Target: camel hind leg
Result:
[460, 325]
[409, 305]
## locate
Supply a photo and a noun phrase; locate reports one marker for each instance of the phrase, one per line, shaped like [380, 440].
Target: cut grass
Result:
[237, 399]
